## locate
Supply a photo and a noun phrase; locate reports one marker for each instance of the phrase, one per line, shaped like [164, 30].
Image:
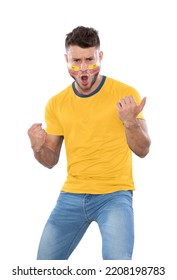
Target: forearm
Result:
[46, 157]
[137, 139]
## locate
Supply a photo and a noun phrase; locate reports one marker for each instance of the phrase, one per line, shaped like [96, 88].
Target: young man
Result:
[101, 122]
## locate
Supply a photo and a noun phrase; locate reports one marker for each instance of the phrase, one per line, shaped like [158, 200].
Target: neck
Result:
[91, 89]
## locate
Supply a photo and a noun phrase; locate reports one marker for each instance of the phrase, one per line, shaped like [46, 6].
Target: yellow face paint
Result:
[93, 68]
[73, 67]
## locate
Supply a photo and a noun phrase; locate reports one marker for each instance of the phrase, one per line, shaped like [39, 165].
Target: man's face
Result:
[84, 66]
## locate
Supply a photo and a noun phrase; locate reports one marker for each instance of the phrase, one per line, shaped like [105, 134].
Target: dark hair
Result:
[84, 37]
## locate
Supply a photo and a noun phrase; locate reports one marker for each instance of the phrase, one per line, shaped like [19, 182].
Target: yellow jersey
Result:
[99, 160]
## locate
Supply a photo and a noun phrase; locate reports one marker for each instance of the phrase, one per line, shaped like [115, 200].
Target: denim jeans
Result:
[72, 216]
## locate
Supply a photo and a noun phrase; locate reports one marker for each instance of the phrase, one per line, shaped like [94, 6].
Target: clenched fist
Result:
[37, 136]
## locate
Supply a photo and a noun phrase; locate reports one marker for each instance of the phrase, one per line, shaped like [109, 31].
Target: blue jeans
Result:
[74, 213]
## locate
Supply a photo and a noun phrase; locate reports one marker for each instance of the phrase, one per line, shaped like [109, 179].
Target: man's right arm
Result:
[46, 147]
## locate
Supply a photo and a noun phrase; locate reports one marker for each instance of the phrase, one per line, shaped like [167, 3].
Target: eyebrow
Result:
[89, 57]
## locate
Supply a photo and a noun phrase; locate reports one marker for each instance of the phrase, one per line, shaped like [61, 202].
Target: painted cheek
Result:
[73, 73]
[94, 68]
[73, 70]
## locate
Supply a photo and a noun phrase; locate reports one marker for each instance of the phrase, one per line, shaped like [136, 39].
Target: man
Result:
[101, 122]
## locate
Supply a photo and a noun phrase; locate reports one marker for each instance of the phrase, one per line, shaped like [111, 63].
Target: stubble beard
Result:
[83, 89]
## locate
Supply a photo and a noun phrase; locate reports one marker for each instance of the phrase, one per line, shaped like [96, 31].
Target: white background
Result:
[138, 39]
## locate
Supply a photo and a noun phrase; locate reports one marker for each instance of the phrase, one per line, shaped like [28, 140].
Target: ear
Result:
[100, 56]
[66, 57]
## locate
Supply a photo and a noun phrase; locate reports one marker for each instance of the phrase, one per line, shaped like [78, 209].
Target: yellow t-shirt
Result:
[99, 160]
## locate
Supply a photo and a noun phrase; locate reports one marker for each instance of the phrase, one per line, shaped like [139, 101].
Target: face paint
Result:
[92, 69]
[73, 70]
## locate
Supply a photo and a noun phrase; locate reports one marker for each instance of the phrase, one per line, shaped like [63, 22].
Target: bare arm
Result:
[136, 131]
[46, 147]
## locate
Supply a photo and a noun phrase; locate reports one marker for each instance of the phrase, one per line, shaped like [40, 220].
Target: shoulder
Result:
[59, 98]
[120, 88]
[119, 84]
[61, 94]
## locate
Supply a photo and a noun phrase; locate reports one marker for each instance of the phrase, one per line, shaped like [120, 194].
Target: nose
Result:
[83, 66]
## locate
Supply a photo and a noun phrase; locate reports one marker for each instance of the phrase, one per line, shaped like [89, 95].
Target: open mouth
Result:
[84, 79]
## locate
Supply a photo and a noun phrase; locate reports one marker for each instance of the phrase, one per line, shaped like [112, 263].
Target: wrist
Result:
[36, 149]
[131, 124]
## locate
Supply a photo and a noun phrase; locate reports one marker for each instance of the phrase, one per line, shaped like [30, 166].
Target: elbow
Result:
[145, 150]
[50, 166]
[143, 153]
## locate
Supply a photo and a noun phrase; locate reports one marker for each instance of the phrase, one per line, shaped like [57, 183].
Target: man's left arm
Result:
[136, 130]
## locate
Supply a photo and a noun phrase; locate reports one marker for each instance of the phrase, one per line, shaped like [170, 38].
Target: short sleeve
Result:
[52, 118]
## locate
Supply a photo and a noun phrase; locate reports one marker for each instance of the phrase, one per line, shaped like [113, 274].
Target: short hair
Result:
[84, 37]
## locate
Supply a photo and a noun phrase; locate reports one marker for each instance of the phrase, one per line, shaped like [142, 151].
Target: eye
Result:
[90, 59]
[76, 60]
